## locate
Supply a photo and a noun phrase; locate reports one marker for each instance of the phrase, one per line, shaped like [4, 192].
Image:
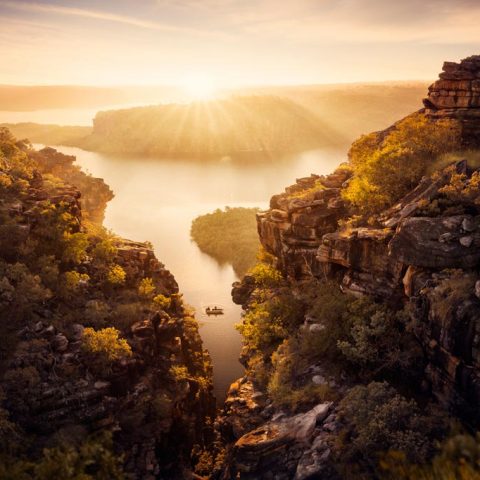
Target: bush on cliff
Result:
[267, 323]
[105, 346]
[92, 459]
[459, 458]
[386, 165]
[377, 342]
[376, 419]
[343, 335]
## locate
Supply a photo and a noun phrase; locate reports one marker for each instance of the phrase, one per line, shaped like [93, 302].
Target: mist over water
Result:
[61, 116]
[157, 199]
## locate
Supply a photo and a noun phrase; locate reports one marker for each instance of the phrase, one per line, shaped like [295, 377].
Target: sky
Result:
[232, 43]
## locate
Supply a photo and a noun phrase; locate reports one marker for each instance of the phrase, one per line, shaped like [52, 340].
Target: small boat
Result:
[214, 310]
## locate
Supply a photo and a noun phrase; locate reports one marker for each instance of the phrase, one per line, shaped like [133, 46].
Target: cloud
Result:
[104, 16]
[361, 21]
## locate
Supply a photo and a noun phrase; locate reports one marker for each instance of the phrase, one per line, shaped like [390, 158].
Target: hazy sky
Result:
[235, 42]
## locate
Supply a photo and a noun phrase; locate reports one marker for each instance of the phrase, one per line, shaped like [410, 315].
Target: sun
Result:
[199, 86]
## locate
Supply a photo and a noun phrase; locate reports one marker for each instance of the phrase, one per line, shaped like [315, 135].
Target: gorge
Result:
[359, 333]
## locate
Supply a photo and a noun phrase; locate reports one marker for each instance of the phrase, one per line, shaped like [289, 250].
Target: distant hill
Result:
[357, 108]
[49, 134]
[263, 120]
[237, 125]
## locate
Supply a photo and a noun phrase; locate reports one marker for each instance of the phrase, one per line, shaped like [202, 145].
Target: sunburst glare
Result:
[199, 86]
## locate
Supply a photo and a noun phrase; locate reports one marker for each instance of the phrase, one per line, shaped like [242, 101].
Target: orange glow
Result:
[199, 86]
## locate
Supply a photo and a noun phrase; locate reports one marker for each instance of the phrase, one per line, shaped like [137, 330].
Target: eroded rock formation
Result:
[423, 253]
[457, 95]
[156, 402]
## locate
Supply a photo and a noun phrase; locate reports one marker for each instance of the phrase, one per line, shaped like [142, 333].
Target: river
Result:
[157, 199]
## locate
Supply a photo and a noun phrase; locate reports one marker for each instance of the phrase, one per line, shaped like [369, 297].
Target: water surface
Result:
[157, 199]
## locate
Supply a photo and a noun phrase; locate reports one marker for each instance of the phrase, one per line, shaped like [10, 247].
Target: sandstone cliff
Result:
[420, 255]
[58, 280]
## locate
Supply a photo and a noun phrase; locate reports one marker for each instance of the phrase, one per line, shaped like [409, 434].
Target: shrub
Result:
[266, 275]
[104, 251]
[116, 275]
[74, 247]
[459, 459]
[266, 324]
[96, 313]
[93, 459]
[461, 189]
[20, 289]
[48, 270]
[146, 289]
[377, 341]
[126, 314]
[73, 282]
[161, 301]
[179, 373]
[378, 419]
[386, 168]
[286, 386]
[105, 344]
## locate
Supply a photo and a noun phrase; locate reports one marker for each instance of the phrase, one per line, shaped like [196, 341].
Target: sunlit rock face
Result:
[293, 228]
[156, 417]
[419, 255]
[457, 95]
[403, 262]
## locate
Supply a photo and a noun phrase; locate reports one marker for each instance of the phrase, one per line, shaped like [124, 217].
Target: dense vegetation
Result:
[64, 285]
[386, 165]
[234, 126]
[228, 235]
[298, 331]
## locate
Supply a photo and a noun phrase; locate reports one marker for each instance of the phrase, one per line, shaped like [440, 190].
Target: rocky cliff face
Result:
[399, 262]
[156, 402]
[423, 254]
[457, 95]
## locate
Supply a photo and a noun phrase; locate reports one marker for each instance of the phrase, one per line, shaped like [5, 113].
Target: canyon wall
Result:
[416, 255]
[150, 389]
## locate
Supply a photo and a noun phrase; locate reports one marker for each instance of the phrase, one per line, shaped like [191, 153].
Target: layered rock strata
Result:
[53, 387]
[457, 95]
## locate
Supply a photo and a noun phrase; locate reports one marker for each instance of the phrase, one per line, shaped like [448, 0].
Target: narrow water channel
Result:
[157, 199]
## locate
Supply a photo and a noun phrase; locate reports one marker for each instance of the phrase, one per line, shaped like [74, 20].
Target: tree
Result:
[105, 345]
[378, 419]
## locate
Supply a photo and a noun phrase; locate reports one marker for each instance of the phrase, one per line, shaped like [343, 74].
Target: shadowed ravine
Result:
[156, 200]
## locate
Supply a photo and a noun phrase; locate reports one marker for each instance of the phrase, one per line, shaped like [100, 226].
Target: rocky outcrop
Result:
[396, 264]
[139, 261]
[282, 446]
[95, 193]
[437, 243]
[422, 253]
[64, 392]
[457, 95]
[157, 401]
[293, 227]
[446, 310]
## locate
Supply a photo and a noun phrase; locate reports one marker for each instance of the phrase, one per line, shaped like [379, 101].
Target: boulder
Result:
[432, 243]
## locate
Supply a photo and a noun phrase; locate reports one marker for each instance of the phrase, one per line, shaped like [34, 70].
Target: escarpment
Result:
[457, 95]
[102, 366]
[409, 267]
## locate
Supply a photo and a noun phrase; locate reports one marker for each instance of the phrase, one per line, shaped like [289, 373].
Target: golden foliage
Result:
[106, 343]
